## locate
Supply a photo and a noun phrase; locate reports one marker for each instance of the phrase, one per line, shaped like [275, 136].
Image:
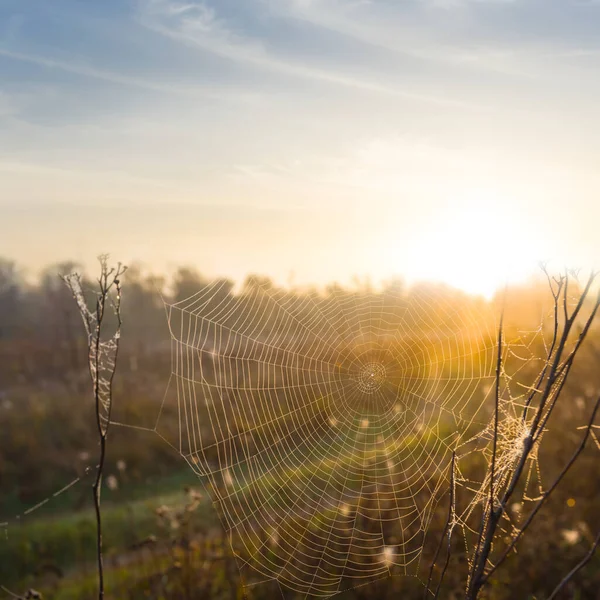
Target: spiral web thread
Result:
[323, 425]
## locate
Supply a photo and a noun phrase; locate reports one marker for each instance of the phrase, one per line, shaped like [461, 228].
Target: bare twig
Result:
[549, 491]
[491, 515]
[11, 594]
[563, 372]
[555, 374]
[31, 594]
[496, 407]
[536, 388]
[448, 527]
[529, 441]
[102, 360]
[584, 561]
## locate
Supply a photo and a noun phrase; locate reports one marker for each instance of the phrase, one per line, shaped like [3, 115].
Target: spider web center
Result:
[371, 377]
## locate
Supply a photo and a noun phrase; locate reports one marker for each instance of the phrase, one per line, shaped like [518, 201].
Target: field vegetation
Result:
[163, 537]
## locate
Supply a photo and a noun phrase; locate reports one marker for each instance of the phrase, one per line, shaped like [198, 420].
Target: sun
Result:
[478, 242]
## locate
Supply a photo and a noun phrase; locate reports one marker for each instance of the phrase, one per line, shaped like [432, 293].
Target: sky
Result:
[308, 140]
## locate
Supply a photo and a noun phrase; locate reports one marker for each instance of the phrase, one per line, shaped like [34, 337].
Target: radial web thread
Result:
[323, 425]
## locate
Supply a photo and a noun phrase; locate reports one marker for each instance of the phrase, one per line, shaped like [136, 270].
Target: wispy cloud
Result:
[198, 26]
[422, 30]
[118, 184]
[399, 32]
[8, 105]
[154, 85]
[346, 108]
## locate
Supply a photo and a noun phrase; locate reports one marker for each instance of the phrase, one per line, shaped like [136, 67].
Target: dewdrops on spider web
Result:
[323, 424]
[512, 433]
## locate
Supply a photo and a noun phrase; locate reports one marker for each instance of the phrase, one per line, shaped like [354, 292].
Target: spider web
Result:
[324, 425]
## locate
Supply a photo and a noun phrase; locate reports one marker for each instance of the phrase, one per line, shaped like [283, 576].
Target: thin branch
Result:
[566, 367]
[496, 409]
[584, 561]
[97, 487]
[447, 528]
[548, 492]
[450, 524]
[555, 381]
[11, 594]
[530, 440]
[490, 515]
[102, 362]
[536, 388]
[559, 352]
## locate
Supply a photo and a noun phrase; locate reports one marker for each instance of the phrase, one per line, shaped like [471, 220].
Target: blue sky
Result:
[327, 137]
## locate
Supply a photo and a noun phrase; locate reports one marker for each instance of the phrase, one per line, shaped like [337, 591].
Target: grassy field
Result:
[58, 542]
[60, 539]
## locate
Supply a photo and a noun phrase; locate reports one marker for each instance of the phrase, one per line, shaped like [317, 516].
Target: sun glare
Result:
[478, 244]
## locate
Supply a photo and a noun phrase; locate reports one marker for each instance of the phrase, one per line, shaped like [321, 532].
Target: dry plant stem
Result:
[565, 368]
[540, 379]
[450, 525]
[96, 490]
[533, 436]
[102, 386]
[491, 515]
[584, 561]
[557, 367]
[549, 491]
[11, 594]
[447, 528]
[556, 378]
[97, 487]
